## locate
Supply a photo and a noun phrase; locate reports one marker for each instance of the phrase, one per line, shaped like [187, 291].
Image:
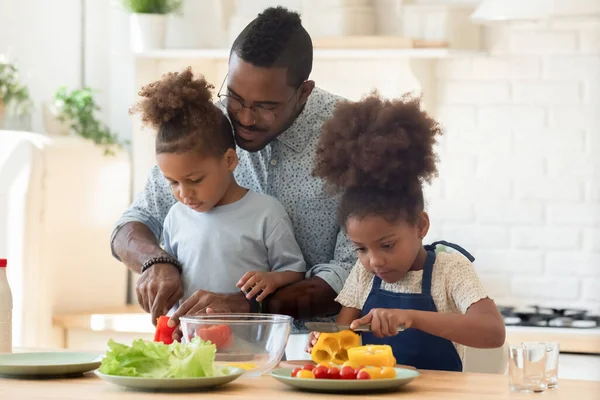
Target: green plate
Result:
[172, 384]
[47, 364]
[403, 376]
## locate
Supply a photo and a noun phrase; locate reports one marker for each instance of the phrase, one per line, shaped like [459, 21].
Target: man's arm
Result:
[315, 296]
[135, 238]
[135, 243]
[309, 298]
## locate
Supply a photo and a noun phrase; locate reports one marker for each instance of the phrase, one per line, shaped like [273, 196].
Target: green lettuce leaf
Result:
[157, 360]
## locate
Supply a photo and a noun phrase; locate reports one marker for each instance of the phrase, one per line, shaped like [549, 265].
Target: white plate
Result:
[403, 377]
[47, 364]
[172, 383]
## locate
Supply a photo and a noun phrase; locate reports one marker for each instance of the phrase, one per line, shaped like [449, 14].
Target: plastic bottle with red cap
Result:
[6, 305]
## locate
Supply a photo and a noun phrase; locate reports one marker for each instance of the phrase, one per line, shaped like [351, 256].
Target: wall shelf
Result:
[319, 54]
[347, 69]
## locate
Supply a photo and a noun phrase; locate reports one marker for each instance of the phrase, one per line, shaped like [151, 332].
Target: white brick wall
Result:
[592, 240]
[526, 262]
[582, 263]
[548, 238]
[547, 93]
[563, 288]
[526, 200]
[542, 42]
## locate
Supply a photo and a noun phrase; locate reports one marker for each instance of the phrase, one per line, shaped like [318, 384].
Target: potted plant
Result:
[148, 22]
[78, 108]
[14, 95]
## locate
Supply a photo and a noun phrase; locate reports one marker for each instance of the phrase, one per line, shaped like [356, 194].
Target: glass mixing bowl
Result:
[253, 342]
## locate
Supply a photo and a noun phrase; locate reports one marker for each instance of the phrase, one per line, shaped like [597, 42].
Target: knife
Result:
[332, 327]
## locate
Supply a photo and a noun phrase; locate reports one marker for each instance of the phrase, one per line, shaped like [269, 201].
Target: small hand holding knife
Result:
[332, 327]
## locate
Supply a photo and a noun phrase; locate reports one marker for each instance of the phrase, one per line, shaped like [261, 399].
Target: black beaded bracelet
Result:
[162, 260]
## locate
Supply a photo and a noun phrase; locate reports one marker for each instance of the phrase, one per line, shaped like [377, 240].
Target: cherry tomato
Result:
[324, 364]
[373, 372]
[305, 374]
[347, 373]
[321, 372]
[334, 373]
[295, 372]
[309, 367]
[362, 374]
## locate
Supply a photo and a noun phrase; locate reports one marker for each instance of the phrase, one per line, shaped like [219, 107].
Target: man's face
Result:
[269, 103]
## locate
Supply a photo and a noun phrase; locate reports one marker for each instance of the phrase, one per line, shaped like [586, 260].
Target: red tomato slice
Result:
[219, 335]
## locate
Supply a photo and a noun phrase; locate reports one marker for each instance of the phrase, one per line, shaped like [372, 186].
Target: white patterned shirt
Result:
[455, 286]
[283, 169]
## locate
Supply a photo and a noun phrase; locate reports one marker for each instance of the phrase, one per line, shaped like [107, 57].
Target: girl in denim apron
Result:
[427, 304]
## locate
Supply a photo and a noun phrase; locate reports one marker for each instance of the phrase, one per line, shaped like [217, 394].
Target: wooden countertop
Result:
[430, 385]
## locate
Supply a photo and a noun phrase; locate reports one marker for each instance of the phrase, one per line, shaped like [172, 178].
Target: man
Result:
[277, 114]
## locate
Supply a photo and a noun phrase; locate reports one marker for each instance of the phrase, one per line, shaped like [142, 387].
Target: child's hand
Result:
[312, 340]
[385, 321]
[258, 282]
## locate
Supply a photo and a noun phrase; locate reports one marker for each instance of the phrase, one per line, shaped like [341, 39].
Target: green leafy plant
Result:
[13, 93]
[78, 108]
[152, 6]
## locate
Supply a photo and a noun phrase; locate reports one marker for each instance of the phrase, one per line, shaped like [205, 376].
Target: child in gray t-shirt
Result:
[226, 237]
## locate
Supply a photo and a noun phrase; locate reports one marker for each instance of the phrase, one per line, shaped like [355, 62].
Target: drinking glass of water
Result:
[552, 352]
[527, 367]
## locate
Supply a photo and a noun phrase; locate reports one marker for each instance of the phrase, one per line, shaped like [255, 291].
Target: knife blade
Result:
[332, 327]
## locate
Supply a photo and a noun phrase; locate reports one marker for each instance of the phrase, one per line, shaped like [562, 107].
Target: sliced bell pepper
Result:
[333, 347]
[163, 332]
[373, 355]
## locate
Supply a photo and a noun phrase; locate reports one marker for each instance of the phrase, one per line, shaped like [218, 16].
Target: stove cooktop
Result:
[549, 317]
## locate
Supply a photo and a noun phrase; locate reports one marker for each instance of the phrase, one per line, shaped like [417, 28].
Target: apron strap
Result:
[376, 283]
[427, 272]
[461, 250]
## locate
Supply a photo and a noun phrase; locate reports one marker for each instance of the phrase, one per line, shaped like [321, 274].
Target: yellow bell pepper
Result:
[372, 355]
[333, 347]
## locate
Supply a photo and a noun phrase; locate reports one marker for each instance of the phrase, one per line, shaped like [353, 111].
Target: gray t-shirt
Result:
[218, 247]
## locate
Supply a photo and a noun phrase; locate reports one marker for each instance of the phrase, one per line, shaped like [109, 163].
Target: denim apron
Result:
[411, 346]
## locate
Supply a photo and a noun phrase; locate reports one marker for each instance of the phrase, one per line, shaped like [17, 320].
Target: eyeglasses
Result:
[259, 112]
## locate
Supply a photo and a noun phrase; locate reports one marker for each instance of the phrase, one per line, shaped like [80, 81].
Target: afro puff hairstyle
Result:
[180, 109]
[378, 153]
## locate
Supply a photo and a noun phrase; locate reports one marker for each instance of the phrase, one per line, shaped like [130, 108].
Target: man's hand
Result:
[385, 321]
[158, 289]
[208, 302]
